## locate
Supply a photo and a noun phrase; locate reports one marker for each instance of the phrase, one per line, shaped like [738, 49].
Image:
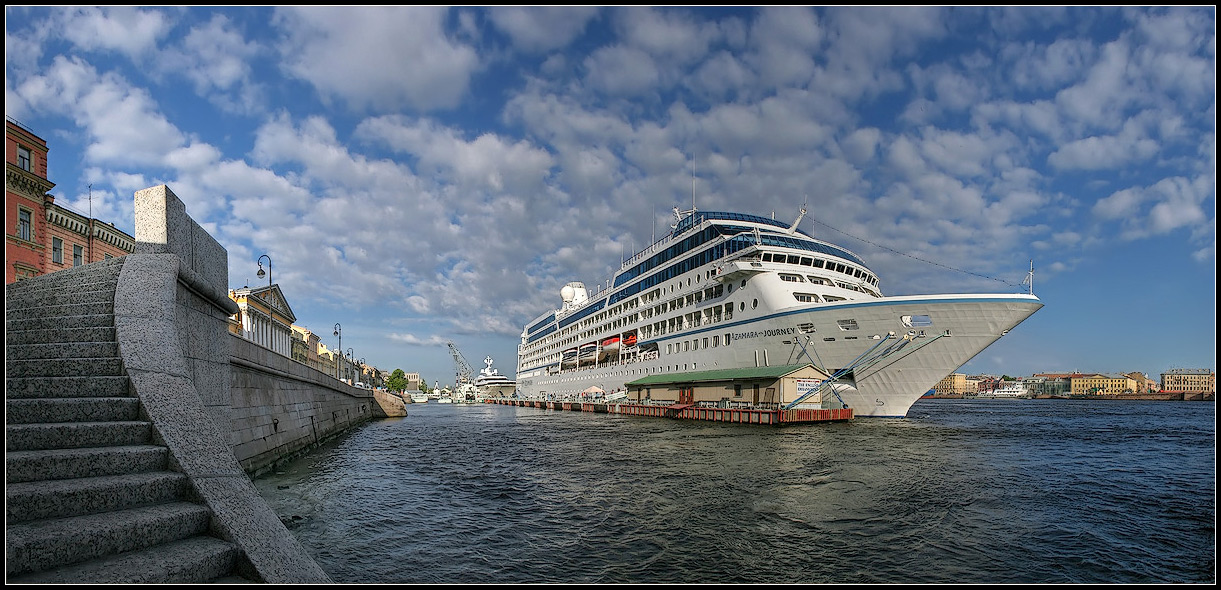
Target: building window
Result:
[57, 250]
[77, 255]
[24, 218]
[23, 159]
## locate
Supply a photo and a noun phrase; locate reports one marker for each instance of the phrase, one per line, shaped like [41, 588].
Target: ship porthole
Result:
[754, 304]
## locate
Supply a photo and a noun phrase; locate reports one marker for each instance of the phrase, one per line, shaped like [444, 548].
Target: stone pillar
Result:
[201, 300]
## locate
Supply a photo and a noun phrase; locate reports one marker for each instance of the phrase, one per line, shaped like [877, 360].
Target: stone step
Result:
[60, 350]
[92, 293]
[61, 281]
[59, 387]
[75, 435]
[71, 409]
[54, 543]
[93, 320]
[67, 335]
[68, 367]
[193, 560]
[36, 500]
[23, 466]
[102, 268]
[45, 310]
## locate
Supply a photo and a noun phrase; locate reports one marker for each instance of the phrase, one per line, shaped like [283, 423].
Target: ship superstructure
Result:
[730, 290]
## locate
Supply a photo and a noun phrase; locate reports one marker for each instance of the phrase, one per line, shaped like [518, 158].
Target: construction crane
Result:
[463, 371]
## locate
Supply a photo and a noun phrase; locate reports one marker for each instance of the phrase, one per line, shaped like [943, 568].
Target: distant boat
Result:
[1013, 390]
[491, 383]
[418, 397]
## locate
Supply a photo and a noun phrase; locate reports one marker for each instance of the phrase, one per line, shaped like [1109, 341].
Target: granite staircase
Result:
[90, 495]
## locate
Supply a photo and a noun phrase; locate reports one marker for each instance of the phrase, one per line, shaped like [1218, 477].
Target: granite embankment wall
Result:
[280, 408]
[172, 313]
[225, 407]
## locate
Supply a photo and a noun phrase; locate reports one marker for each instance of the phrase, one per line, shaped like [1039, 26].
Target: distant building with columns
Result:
[264, 318]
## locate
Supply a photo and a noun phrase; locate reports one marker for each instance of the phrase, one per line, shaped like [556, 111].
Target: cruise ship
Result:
[730, 291]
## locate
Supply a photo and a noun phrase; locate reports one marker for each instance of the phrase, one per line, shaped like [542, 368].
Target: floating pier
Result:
[691, 412]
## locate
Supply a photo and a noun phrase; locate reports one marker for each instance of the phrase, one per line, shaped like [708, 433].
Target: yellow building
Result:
[1189, 381]
[953, 384]
[1101, 385]
[308, 350]
[1143, 383]
[263, 317]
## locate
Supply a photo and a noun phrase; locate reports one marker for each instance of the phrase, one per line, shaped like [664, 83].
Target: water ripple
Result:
[994, 491]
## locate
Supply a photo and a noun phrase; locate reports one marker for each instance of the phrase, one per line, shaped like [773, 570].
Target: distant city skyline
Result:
[430, 174]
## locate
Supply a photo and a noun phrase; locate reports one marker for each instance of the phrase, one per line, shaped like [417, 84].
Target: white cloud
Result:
[622, 71]
[488, 162]
[380, 58]
[216, 58]
[413, 340]
[542, 28]
[1099, 153]
[122, 122]
[131, 31]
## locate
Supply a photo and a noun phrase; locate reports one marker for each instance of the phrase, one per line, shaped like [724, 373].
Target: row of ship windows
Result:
[820, 263]
[793, 278]
[709, 293]
[707, 315]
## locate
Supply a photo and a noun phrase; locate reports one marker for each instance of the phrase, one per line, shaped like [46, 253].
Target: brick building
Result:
[25, 193]
[42, 237]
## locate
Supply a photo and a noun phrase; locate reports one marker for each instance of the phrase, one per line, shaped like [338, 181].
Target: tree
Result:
[397, 381]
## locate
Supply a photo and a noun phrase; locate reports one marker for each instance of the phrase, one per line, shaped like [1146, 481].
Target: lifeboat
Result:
[610, 349]
[588, 353]
[629, 339]
[569, 359]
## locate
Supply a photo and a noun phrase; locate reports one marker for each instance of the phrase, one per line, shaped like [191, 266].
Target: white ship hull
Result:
[887, 389]
[735, 291]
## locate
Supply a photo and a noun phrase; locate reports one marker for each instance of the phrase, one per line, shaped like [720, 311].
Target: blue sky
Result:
[424, 174]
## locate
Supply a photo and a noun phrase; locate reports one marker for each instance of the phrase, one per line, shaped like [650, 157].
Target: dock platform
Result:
[691, 412]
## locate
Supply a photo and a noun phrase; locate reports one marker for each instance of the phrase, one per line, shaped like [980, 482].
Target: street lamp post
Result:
[260, 273]
[339, 333]
[351, 369]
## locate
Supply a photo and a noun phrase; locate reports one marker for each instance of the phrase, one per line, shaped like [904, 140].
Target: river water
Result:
[960, 491]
